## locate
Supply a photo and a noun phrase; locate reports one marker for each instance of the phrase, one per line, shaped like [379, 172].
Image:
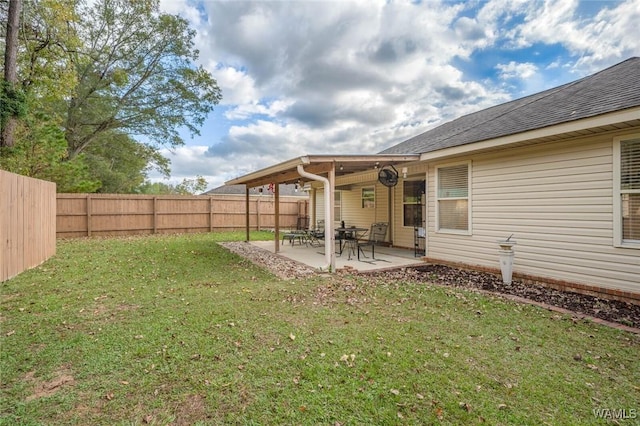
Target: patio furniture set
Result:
[351, 238]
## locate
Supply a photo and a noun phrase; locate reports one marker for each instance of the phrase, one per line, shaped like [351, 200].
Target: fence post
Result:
[246, 216]
[88, 215]
[210, 214]
[258, 214]
[155, 215]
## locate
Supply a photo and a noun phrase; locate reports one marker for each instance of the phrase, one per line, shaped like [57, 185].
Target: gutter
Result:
[329, 255]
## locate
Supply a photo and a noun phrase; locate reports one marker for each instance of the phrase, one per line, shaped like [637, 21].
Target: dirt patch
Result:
[192, 410]
[62, 378]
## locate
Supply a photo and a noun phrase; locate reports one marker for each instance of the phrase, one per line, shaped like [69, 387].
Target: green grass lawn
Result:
[177, 330]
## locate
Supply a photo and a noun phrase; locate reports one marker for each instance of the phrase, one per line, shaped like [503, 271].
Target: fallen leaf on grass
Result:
[465, 406]
[292, 336]
[395, 391]
[439, 413]
[109, 396]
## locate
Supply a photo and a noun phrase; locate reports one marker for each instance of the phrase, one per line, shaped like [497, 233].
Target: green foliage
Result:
[121, 163]
[41, 152]
[13, 102]
[47, 37]
[136, 75]
[186, 187]
[101, 75]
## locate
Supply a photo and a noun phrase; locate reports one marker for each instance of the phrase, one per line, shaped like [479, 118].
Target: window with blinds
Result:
[630, 190]
[452, 197]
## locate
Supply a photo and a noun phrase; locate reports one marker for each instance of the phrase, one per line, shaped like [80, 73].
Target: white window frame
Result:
[423, 213]
[617, 194]
[368, 197]
[337, 206]
[469, 229]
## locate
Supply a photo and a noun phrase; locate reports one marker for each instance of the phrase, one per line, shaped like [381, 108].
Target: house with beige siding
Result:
[559, 171]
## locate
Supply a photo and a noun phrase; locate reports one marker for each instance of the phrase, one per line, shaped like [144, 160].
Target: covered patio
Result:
[320, 172]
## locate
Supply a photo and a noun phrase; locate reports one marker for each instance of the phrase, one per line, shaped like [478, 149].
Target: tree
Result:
[12, 101]
[116, 78]
[186, 187]
[45, 79]
[121, 164]
[40, 152]
[136, 75]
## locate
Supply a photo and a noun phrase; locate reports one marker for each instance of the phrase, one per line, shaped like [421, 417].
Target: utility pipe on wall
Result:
[329, 253]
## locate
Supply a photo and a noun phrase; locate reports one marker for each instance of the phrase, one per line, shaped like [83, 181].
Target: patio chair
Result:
[315, 235]
[377, 235]
[300, 233]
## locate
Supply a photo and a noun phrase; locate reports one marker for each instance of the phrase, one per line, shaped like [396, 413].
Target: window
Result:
[627, 191]
[412, 202]
[368, 198]
[452, 198]
[337, 206]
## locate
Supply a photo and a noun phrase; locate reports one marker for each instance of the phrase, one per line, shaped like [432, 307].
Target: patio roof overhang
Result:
[320, 168]
[287, 171]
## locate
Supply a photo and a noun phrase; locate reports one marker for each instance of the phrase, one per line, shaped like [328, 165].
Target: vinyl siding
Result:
[352, 212]
[557, 200]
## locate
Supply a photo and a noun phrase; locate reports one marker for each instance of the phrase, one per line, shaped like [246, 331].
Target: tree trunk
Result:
[10, 64]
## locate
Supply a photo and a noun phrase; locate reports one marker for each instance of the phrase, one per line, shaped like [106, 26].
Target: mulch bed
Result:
[609, 310]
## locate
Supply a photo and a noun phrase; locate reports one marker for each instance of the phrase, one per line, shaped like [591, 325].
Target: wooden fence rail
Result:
[27, 223]
[81, 215]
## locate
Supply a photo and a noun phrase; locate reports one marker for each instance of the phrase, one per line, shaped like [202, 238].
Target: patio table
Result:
[351, 237]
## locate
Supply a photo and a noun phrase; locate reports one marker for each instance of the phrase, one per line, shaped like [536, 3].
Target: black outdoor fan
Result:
[388, 176]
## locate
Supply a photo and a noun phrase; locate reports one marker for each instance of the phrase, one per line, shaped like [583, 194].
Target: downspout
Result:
[328, 244]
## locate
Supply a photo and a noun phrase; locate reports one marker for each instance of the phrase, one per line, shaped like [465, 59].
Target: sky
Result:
[356, 77]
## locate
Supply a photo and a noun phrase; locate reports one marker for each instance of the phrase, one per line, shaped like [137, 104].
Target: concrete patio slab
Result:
[385, 257]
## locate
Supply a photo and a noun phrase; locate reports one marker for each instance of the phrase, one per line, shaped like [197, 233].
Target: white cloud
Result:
[303, 77]
[517, 70]
[237, 86]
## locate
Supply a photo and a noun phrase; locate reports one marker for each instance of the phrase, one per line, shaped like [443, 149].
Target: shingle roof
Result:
[285, 189]
[613, 89]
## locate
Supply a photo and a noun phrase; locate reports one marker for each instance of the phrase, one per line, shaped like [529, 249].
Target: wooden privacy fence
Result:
[125, 214]
[27, 223]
